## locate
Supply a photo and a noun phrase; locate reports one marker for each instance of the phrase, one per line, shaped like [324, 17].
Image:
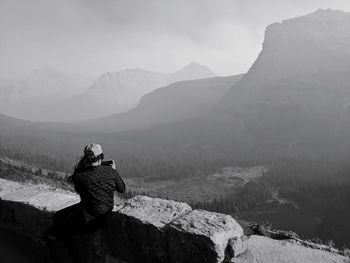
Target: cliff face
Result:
[297, 87]
[304, 60]
[303, 46]
[145, 229]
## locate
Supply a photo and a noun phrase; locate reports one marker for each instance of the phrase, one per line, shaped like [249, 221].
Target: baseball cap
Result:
[94, 147]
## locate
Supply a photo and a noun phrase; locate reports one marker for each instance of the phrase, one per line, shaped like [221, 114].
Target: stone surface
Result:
[266, 250]
[40, 196]
[137, 229]
[28, 208]
[155, 211]
[153, 230]
[235, 247]
[201, 236]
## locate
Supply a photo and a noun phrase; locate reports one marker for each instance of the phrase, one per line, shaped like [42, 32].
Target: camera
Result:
[109, 163]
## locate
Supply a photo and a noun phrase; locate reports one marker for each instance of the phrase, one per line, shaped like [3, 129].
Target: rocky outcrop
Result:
[235, 247]
[139, 228]
[28, 208]
[145, 229]
[200, 231]
[142, 229]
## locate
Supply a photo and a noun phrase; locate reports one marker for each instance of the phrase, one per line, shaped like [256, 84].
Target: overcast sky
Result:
[94, 36]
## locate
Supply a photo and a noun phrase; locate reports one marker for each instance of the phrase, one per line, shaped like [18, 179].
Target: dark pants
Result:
[70, 225]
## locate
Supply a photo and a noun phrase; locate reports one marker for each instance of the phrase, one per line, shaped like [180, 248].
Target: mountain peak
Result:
[193, 70]
[196, 66]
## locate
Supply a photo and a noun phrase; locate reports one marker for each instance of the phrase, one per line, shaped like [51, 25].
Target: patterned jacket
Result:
[96, 187]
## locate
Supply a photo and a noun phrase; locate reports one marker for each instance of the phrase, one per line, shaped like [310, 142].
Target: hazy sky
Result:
[94, 36]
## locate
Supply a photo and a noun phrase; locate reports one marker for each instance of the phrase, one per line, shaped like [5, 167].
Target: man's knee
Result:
[65, 212]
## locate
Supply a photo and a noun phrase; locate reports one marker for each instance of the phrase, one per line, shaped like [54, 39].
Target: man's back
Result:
[96, 186]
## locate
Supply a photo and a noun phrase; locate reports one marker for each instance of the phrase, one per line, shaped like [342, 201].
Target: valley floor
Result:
[198, 188]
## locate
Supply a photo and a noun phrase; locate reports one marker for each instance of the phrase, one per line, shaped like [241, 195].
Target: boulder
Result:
[40, 196]
[201, 236]
[235, 247]
[29, 208]
[137, 231]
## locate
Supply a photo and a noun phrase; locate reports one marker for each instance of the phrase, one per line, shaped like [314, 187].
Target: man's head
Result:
[93, 153]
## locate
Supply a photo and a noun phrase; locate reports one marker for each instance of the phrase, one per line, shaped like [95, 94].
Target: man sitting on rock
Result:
[95, 183]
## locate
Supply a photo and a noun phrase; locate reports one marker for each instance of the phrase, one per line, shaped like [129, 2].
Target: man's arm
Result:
[75, 180]
[120, 185]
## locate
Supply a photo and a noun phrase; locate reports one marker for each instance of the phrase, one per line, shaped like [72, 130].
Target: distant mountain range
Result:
[293, 101]
[29, 97]
[47, 94]
[117, 92]
[176, 102]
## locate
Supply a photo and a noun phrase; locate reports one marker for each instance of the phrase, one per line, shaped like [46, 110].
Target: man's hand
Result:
[113, 164]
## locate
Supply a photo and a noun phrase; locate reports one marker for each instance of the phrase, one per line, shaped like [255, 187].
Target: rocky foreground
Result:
[145, 229]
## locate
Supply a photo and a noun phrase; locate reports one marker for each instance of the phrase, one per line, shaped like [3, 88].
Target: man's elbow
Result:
[121, 188]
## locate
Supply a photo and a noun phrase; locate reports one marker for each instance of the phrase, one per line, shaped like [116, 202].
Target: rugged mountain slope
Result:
[298, 56]
[112, 93]
[120, 91]
[28, 97]
[173, 103]
[297, 92]
[294, 100]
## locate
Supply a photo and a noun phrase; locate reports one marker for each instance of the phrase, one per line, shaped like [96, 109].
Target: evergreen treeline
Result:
[22, 175]
[150, 163]
[321, 188]
[252, 194]
[39, 159]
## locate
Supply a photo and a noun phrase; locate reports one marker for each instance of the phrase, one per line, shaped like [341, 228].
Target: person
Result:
[95, 183]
